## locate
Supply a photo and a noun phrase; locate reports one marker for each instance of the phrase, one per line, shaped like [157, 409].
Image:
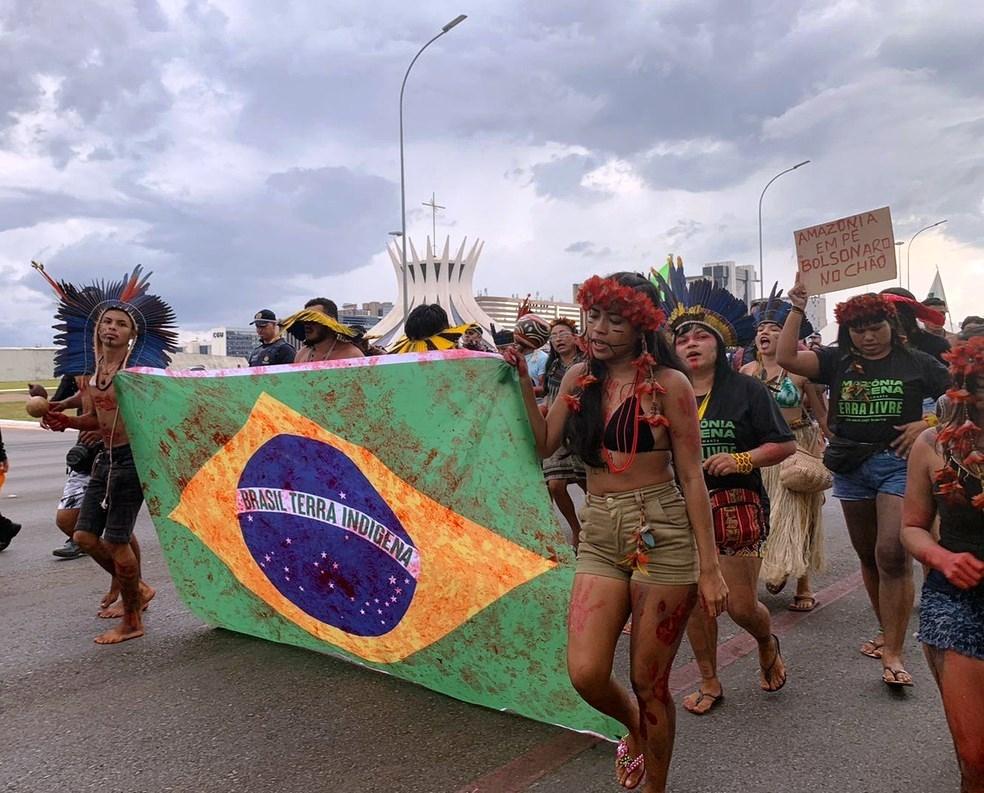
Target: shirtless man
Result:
[73, 494]
[320, 342]
[114, 496]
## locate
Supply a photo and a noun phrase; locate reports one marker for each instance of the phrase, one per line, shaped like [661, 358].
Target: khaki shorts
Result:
[643, 535]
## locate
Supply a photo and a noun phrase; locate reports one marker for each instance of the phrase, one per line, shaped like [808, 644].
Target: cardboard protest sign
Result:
[846, 253]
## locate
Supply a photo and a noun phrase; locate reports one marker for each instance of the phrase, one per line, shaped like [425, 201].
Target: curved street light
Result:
[403, 189]
[761, 265]
[908, 250]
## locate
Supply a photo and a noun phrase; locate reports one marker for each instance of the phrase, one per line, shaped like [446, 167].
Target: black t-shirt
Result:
[867, 405]
[741, 416]
[276, 352]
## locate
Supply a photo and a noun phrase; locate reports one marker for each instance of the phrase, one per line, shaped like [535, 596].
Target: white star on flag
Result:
[342, 496]
[288, 540]
[392, 580]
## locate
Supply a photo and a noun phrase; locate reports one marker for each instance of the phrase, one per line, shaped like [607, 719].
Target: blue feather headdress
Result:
[79, 310]
[776, 310]
[704, 303]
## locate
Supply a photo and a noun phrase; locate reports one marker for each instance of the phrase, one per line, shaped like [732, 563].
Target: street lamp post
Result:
[761, 264]
[403, 184]
[898, 260]
[908, 250]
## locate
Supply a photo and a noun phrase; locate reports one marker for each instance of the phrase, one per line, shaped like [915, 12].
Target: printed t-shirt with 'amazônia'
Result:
[741, 416]
[870, 398]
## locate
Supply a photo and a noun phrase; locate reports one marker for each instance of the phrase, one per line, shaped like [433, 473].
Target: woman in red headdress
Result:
[878, 385]
[946, 467]
[646, 548]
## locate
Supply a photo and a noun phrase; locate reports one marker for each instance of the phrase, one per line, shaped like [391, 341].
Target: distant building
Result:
[739, 279]
[443, 277]
[234, 342]
[816, 312]
[366, 317]
[504, 310]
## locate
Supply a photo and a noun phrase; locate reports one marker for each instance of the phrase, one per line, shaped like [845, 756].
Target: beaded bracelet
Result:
[743, 460]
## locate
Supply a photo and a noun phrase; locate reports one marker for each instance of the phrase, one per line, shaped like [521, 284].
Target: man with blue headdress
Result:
[104, 330]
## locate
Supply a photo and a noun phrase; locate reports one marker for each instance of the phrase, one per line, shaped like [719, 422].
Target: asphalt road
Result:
[189, 707]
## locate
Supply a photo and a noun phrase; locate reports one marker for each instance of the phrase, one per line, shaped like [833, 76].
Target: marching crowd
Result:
[704, 435]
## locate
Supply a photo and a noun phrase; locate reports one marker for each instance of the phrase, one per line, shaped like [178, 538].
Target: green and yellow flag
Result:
[387, 510]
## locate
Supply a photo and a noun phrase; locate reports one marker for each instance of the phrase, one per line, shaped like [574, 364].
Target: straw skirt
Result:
[795, 543]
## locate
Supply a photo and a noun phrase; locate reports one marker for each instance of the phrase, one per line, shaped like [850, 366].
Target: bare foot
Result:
[703, 700]
[629, 765]
[120, 633]
[773, 676]
[115, 612]
[110, 597]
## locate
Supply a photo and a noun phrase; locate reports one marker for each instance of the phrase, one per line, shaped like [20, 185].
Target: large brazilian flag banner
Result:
[388, 510]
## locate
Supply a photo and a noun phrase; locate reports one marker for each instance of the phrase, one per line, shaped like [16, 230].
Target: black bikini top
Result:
[624, 422]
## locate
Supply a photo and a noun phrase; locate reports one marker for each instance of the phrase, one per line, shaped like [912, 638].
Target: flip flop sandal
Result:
[894, 681]
[874, 652]
[701, 696]
[629, 764]
[802, 603]
[775, 589]
[767, 672]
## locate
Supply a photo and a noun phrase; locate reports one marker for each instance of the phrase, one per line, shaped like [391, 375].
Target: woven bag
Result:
[803, 472]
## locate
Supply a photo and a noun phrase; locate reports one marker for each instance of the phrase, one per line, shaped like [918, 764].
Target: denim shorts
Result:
[118, 487]
[883, 472]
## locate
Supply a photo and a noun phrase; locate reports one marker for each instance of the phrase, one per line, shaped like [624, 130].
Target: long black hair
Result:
[585, 429]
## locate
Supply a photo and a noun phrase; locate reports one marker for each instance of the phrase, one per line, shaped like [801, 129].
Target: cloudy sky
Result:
[247, 152]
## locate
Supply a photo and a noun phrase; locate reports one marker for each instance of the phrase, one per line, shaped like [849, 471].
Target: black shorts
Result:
[119, 487]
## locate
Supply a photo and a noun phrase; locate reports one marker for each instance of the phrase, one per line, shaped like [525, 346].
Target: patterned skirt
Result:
[564, 465]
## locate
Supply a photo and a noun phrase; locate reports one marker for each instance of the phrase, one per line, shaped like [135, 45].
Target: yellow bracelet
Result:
[743, 460]
[931, 419]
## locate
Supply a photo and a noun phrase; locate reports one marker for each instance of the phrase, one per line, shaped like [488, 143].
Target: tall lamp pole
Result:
[761, 264]
[403, 182]
[898, 259]
[908, 251]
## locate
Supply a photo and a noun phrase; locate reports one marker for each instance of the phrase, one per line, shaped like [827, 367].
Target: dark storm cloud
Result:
[314, 222]
[561, 177]
[697, 97]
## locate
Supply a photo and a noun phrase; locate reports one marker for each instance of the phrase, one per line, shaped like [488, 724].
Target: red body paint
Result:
[669, 630]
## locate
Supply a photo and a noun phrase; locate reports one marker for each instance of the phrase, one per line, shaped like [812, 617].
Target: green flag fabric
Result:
[390, 511]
